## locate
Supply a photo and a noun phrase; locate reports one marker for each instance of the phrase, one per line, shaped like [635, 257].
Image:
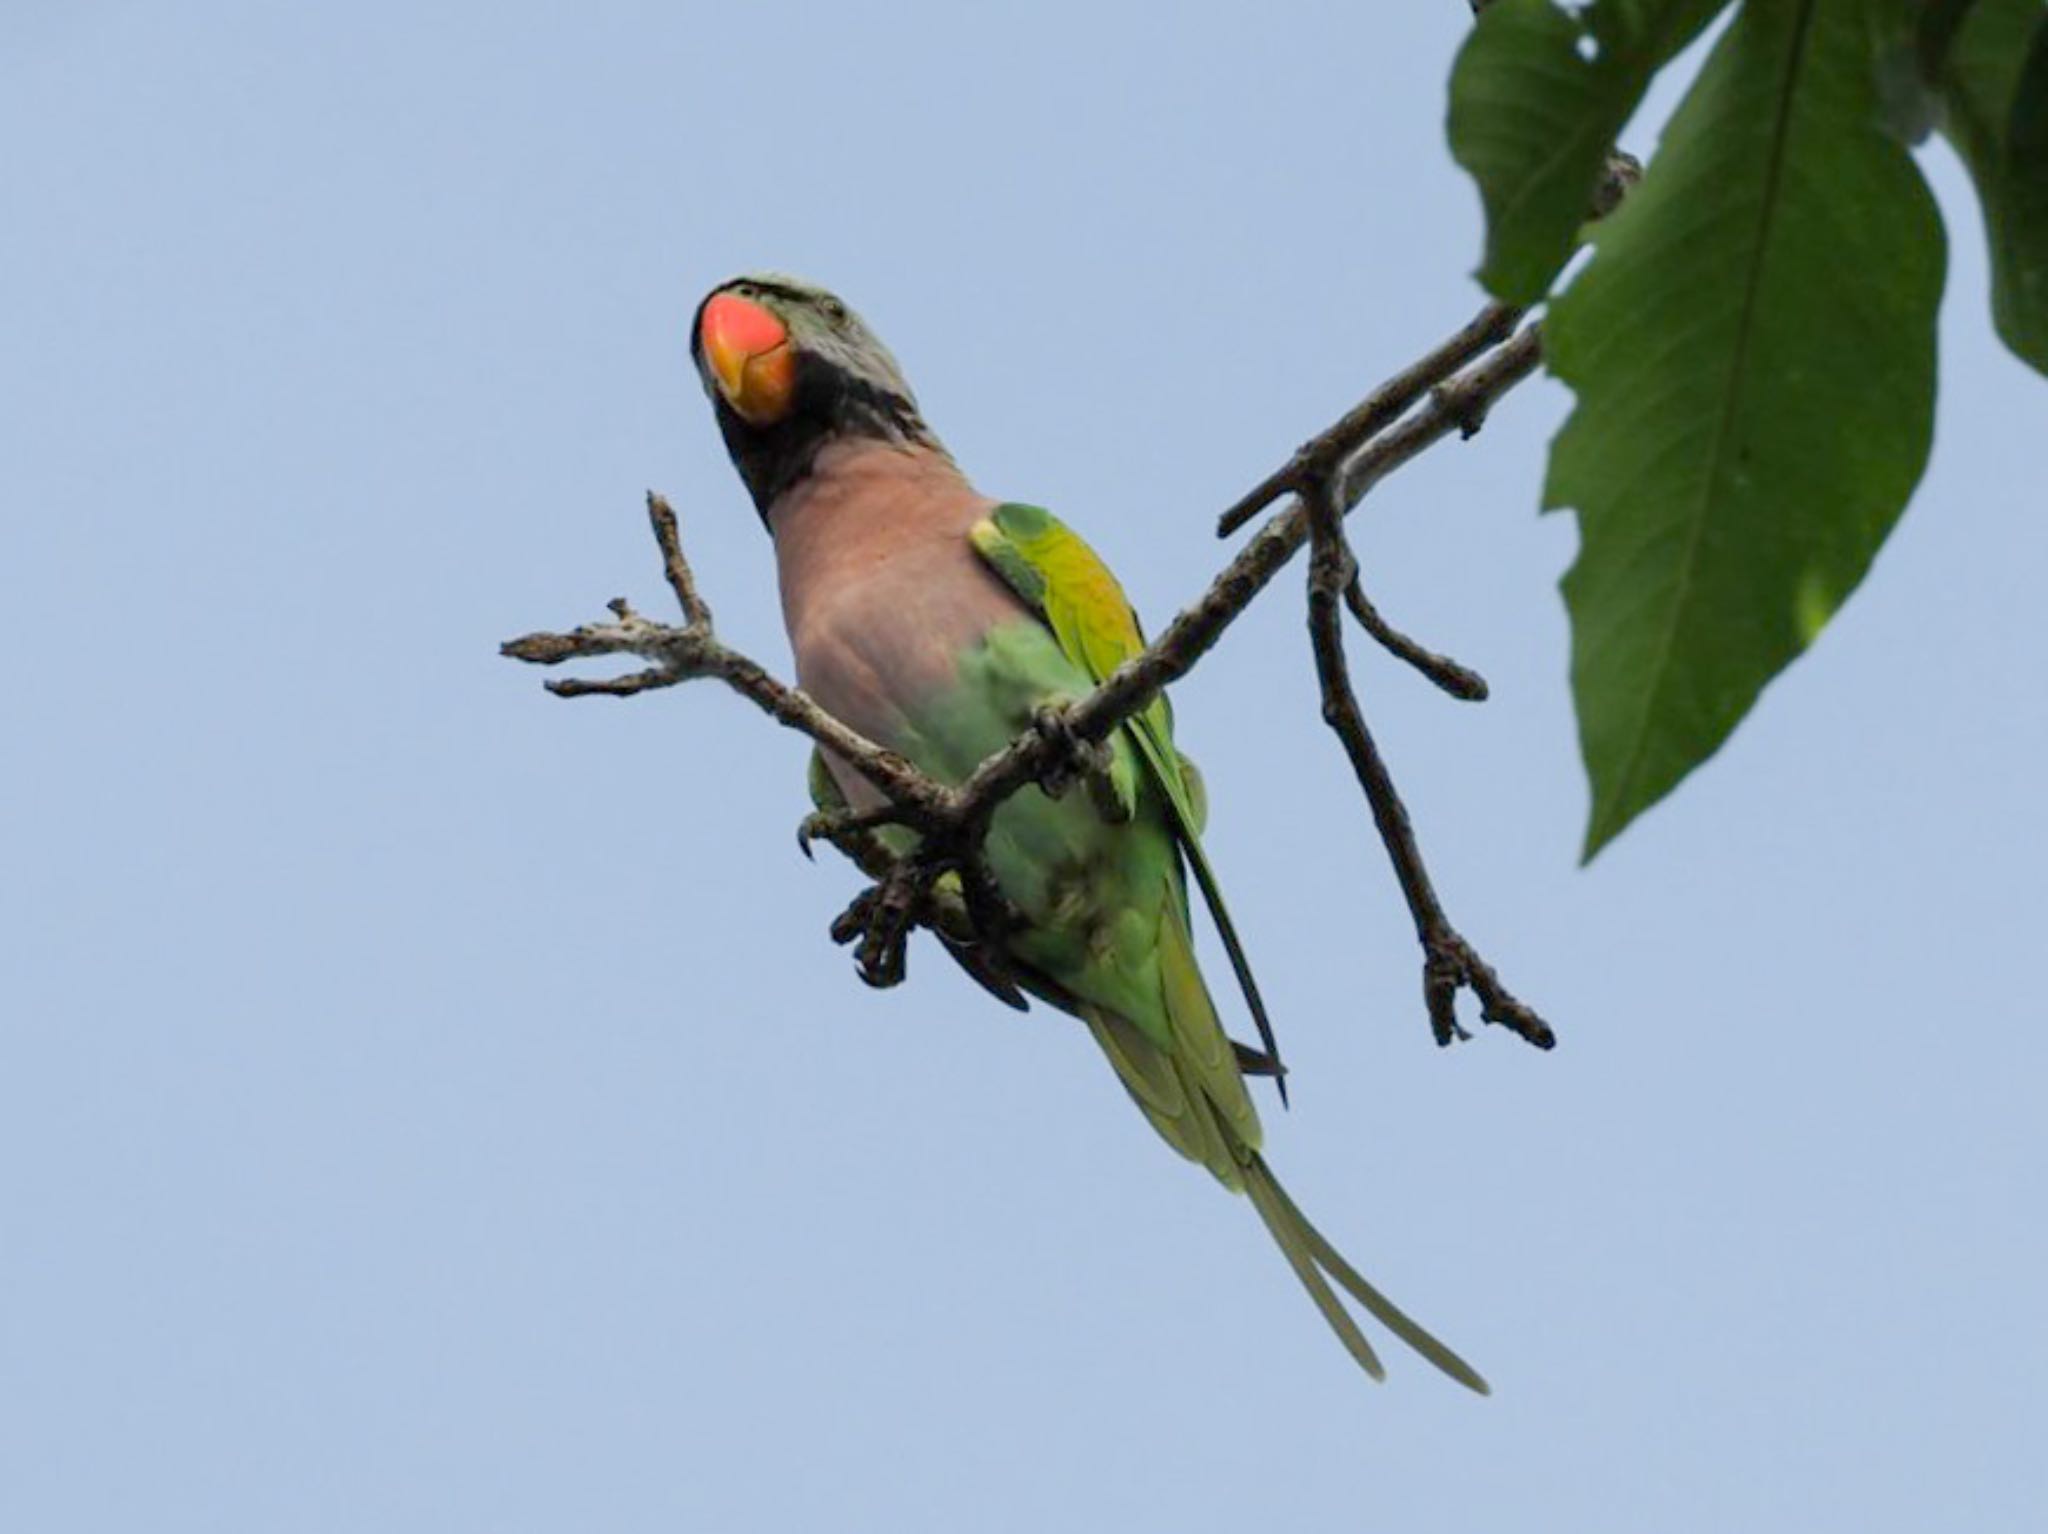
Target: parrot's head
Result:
[789, 368]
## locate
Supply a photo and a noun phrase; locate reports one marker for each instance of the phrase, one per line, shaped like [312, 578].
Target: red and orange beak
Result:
[751, 357]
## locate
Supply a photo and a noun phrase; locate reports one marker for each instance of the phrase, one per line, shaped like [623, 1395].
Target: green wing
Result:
[1047, 564]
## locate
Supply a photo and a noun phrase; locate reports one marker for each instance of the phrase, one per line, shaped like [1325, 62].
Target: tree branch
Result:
[1459, 681]
[1457, 405]
[683, 654]
[1448, 960]
[1343, 462]
[1315, 458]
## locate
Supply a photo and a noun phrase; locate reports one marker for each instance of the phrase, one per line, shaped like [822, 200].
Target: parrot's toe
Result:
[1078, 761]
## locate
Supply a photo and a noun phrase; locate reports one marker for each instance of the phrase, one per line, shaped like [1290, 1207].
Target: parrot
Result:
[941, 624]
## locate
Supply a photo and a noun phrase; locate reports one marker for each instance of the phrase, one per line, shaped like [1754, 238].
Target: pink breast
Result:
[881, 590]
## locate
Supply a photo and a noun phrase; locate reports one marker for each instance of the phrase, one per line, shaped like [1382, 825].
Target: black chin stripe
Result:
[830, 404]
[882, 412]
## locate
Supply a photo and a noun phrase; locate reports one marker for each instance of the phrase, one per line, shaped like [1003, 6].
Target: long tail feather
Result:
[1312, 1257]
[1287, 1236]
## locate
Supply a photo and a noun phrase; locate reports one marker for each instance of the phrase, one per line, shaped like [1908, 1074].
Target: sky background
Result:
[428, 1105]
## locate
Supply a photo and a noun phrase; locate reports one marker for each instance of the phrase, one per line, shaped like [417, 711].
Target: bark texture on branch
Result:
[944, 883]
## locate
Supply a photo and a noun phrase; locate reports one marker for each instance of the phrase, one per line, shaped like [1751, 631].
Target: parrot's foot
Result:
[878, 923]
[848, 830]
[1087, 762]
[959, 900]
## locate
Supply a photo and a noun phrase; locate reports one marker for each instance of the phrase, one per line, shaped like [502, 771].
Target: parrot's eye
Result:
[835, 311]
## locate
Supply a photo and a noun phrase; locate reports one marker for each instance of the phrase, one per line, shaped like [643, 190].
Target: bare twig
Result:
[683, 654]
[949, 828]
[1448, 960]
[950, 822]
[1459, 681]
[681, 579]
[1454, 406]
[1458, 404]
[1315, 458]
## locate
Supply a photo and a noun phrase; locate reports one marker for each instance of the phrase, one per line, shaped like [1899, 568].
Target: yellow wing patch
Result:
[1079, 596]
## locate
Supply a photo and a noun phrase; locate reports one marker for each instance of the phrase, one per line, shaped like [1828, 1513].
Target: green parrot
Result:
[941, 624]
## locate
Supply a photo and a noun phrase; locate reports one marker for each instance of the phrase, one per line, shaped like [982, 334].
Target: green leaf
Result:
[1538, 97]
[1934, 32]
[1752, 346]
[1908, 41]
[1994, 96]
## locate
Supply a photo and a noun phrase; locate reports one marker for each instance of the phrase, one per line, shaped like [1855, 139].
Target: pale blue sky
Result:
[426, 1105]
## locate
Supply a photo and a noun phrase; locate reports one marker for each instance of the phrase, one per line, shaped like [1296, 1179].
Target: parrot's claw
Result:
[1102, 793]
[1084, 761]
[821, 825]
[878, 923]
[845, 829]
[853, 921]
[808, 829]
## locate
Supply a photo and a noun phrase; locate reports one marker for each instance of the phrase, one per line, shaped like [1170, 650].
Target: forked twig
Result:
[943, 881]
